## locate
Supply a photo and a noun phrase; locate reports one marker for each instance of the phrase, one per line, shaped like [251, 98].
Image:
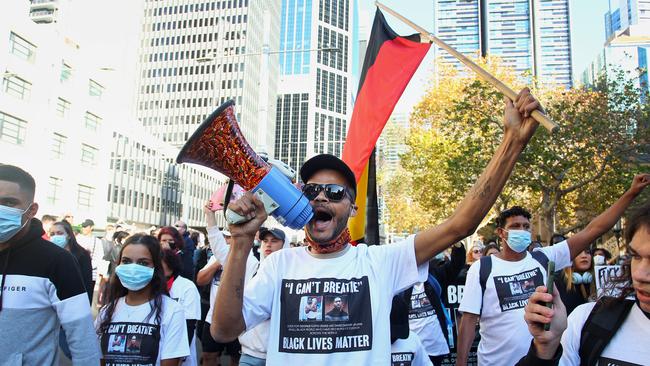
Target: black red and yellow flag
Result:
[390, 62]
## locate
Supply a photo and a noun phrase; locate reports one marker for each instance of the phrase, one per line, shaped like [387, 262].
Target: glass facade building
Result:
[532, 36]
[314, 91]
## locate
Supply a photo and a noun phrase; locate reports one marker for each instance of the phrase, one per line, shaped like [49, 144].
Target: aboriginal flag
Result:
[390, 62]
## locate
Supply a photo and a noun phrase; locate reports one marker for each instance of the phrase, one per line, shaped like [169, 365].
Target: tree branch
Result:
[597, 175]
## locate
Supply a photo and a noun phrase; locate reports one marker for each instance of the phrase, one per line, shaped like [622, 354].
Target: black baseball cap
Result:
[274, 231]
[87, 222]
[328, 161]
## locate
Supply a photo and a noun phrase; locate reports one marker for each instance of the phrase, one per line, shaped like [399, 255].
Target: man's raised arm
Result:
[606, 220]
[227, 319]
[519, 127]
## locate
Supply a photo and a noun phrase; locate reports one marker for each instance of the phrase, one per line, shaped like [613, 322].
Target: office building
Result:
[195, 55]
[531, 36]
[314, 101]
[55, 115]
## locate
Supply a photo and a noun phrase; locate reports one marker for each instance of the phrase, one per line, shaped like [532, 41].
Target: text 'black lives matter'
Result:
[325, 315]
[513, 291]
[420, 306]
[130, 344]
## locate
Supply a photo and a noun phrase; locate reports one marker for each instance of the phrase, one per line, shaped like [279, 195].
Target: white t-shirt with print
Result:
[409, 352]
[187, 295]
[291, 281]
[424, 322]
[628, 347]
[504, 334]
[220, 250]
[130, 337]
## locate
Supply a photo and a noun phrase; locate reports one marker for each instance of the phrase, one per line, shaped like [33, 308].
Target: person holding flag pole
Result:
[330, 273]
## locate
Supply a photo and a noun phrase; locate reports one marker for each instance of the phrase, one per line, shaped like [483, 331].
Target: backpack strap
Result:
[604, 320]
[539, 256]
[483, 274]
[433, 290]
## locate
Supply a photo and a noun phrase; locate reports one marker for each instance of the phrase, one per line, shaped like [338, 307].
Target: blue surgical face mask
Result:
[60, 240]
[10, 222]
[134, 276]
[518, 240]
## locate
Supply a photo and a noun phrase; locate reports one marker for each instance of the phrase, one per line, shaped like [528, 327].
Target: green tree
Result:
[567, 177]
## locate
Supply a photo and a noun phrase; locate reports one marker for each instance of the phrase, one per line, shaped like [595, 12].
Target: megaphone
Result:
[219, 144]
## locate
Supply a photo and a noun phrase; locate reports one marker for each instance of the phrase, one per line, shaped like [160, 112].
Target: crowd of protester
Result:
[248, 293]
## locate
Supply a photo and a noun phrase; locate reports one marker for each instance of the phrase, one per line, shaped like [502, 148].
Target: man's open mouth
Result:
[322, 218]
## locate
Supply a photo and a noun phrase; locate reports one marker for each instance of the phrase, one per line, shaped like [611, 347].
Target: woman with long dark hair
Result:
[61, 234]
[140, 323]
[187, 295]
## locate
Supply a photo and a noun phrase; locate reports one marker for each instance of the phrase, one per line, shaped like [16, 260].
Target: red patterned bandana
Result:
[329, 247]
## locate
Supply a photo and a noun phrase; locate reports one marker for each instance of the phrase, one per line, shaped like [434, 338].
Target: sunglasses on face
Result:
[476, 251]
[333, 192]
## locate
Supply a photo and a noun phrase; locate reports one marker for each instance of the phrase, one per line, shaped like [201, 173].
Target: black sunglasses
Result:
[333, 192]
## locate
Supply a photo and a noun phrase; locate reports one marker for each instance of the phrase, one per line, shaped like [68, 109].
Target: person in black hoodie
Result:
[41, 287]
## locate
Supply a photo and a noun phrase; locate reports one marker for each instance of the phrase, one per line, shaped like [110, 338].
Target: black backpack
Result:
[486, 268]
[604, 320]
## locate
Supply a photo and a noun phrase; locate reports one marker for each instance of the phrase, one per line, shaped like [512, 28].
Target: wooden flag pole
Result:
[503, 88]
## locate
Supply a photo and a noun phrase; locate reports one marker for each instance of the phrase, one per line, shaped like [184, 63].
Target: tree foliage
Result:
[567, 177]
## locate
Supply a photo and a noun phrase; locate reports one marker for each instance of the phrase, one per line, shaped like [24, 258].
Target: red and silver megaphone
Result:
[219, 144]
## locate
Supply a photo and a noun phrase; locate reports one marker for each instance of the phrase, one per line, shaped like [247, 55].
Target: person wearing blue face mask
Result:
[41, 290]
[140, 323]
[498, 287]
[62, 235]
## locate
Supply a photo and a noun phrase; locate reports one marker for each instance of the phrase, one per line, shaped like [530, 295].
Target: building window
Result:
[85, 196]
[92, 121]
[16, 86]
[62, 107]
[58, 143]
[12, 129]
[66, 72]
[88, 154]
[95, 89]
[21, 47]
[54, 184]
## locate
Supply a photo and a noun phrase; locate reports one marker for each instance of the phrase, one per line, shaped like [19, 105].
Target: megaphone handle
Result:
[234, 218]
[269, 205]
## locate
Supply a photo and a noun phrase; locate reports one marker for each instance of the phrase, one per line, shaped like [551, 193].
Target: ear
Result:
[31, 213]
[501, 233]
[353, 210]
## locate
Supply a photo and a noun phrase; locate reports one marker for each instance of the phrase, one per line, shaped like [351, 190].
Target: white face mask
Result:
[599, 260]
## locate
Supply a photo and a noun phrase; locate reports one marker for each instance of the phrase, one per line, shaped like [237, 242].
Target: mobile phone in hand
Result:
[550, 277]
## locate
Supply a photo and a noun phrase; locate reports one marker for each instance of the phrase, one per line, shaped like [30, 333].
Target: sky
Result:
[587, 36]
[587, 28]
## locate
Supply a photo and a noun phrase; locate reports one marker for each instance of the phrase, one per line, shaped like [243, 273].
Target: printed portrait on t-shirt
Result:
[133, 344]
[336, 308]
[420, 306]
[311, 308]
[116, 343]
[513, 291]
[334, 315]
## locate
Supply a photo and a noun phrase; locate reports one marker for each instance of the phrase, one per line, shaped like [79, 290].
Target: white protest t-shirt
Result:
[187, 295]
[290, 283]
[254, 342]
[409, 352]
[220, 251]
[132, 339]
[628, 347]
[504, 334]
[424, 322]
